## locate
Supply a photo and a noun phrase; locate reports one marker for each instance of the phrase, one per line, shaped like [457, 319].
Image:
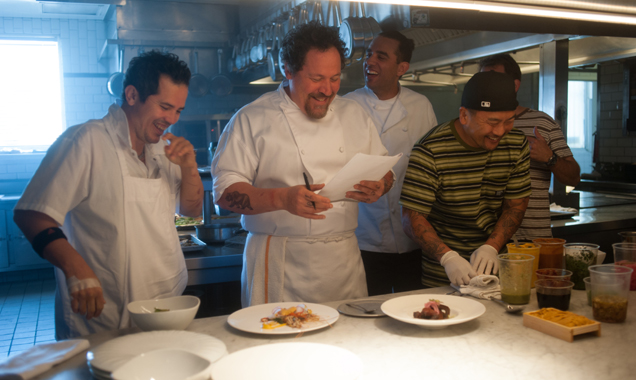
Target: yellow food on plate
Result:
[293, 317]
[564, 318]
[271, 325]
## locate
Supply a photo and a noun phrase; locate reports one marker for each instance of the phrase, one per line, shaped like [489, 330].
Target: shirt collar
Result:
[374, 97]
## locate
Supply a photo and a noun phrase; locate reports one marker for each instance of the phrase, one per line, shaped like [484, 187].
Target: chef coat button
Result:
[302, 151]
[341, 149]
[405, 129]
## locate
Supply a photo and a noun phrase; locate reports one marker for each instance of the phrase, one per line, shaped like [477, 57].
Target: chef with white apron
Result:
[121, 225]
[270, 143]
[113, 185]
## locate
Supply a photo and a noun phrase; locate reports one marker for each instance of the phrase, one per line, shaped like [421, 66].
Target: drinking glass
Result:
[515, 274]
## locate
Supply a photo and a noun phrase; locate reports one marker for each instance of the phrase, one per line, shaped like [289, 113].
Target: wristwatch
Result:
[552, 160]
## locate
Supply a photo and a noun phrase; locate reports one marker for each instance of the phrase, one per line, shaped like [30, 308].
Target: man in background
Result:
[392, 260]
[467, 184]
[549, 154]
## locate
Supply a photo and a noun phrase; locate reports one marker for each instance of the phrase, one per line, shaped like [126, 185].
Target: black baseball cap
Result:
[490, 91]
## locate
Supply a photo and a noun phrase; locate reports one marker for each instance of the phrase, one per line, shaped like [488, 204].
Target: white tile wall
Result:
[86, 96]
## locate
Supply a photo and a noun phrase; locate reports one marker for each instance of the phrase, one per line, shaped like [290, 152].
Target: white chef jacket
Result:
[270, 143]
[79, 184]
[410, 117]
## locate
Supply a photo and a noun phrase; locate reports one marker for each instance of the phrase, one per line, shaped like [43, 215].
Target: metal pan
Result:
[199, 85]
[115, 82]
[220, 85]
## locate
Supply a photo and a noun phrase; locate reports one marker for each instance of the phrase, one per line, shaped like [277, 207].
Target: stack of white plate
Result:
[106, 358]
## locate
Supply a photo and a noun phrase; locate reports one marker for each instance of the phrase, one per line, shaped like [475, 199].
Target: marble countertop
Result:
[494, 346]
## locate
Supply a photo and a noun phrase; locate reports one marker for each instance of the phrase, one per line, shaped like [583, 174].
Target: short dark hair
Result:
[405, 45]
[511, 67]
[145, 70]
[303, 38]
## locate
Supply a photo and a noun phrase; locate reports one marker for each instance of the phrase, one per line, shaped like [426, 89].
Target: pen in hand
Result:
[308, 188]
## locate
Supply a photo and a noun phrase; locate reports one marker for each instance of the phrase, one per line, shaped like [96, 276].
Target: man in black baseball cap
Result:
[467, 185]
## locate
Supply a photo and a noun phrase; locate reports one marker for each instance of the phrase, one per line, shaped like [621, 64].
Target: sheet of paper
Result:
[362, 167]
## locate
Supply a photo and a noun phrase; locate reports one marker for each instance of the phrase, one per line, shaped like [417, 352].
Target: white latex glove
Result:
[484, 260]
[457, 268]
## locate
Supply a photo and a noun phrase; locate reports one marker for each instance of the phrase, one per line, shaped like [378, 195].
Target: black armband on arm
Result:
[43, 238]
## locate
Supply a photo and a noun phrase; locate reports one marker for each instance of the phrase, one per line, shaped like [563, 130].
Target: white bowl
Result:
[166, 364]
[180, 311]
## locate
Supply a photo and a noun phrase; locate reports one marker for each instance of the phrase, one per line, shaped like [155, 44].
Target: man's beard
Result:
[319, 112]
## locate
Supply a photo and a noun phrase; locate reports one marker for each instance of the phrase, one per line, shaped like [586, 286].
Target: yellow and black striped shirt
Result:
[461, 189]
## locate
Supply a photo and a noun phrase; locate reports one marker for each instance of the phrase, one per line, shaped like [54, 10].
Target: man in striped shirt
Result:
[467, 184]
[549, 153]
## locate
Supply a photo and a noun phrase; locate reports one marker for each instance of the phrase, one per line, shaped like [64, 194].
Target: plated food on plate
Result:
[283, 318]
[461, 309]
[433, 310]
[293, 316]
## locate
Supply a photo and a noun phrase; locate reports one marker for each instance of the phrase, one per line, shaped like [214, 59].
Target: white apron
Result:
[302, 269]
[152, 265]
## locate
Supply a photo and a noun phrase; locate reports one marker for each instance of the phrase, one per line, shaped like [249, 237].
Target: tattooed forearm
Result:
[388, 182]
[420, 230]
[238, 200]
[509, 222]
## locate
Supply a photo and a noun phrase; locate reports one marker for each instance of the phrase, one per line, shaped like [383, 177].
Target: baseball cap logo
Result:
[485, 104]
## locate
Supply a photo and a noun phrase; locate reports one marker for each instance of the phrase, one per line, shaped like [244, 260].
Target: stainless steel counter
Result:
[214, 264]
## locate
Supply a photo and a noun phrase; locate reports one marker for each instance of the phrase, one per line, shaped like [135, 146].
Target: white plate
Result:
[294, 360]
[108, 357]
[463, 309]
[249, 319]
[166, 364]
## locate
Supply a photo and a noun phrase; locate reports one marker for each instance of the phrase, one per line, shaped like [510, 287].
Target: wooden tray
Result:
[557, 330]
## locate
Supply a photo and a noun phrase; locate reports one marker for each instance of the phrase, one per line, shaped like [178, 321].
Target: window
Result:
[581, 116]
[31, 97]
[581, 113]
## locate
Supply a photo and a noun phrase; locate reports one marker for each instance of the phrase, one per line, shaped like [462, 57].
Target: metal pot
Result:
[217, 233]
[628, 236]
[352, 33]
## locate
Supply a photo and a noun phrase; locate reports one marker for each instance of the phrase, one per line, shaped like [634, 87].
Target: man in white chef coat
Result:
[301, 246]
[392, 261]
[114, 185]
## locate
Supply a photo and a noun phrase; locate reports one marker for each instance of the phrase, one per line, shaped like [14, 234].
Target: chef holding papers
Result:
[296, 251]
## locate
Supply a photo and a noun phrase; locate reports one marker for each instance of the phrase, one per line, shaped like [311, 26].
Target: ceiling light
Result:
[521, 10]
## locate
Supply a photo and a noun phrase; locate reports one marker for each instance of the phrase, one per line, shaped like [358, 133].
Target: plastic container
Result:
[551, 252]
[610, 292]
[578, 258]
[588, 290]
[528, 249]
[554, 274]
[625, 255]
[515, 275]
[554, 293]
